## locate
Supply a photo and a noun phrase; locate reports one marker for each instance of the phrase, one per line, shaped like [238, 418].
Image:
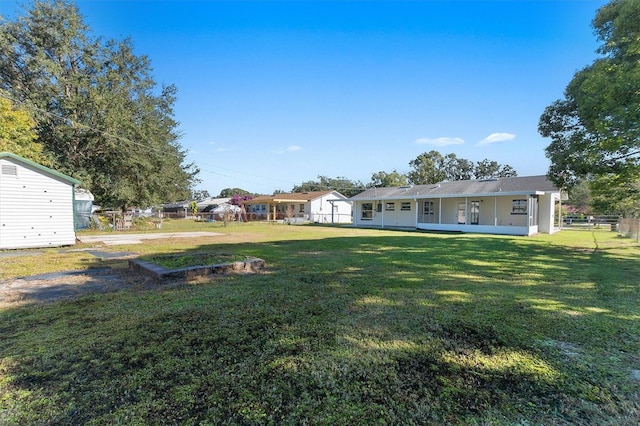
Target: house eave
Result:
[462, 195]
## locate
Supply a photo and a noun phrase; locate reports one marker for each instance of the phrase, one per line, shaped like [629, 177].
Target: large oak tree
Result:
[343, 185]
[99, 114]
[433, 167]
[595, 129]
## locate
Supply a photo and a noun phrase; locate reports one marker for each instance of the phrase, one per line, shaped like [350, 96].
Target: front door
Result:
[462, 213]
[474, 212]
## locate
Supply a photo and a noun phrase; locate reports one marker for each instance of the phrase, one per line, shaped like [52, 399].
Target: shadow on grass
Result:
[403, 328]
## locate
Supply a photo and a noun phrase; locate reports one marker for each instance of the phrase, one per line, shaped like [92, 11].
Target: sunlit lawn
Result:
[348, 326]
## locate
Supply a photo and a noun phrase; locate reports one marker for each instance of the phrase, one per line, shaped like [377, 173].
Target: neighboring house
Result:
[515, 206]
[176, 210]
[317, 206]
[211, 207]
[36, 205]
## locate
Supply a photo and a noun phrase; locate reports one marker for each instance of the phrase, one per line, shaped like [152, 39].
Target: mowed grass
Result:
[348, 326]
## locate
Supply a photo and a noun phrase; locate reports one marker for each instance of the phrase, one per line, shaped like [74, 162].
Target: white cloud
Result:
[439, 141]
[219, 149]
[292, 148]
[497, 137]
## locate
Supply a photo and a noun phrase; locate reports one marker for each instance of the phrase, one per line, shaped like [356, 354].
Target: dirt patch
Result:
[62, 285]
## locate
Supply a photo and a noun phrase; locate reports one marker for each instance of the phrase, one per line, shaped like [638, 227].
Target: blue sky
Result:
[271, 94]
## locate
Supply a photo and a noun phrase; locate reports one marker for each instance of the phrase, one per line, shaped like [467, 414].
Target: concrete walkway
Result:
[118, 238]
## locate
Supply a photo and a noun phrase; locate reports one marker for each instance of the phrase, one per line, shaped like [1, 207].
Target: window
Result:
[405, 206]
[390, 206]
[301, 208]
[379, 207]
[519, 207]
[367, 211]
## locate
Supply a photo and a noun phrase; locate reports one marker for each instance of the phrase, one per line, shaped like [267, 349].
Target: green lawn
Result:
[347, 327]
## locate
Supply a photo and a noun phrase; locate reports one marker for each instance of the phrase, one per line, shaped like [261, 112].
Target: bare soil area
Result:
[61, 285]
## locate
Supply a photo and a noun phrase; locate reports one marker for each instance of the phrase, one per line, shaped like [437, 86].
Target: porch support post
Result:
[354, 212]
[332, 218]
[382, 211]
[416, 201]
[529, 214]
[559, 210]
[440, 211]
[495, 211]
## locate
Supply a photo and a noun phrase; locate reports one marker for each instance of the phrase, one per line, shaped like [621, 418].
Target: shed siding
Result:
[320, 209]
[36, 209]
[547, 213]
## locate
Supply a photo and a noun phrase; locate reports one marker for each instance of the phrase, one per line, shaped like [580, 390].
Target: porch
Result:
[506, 215]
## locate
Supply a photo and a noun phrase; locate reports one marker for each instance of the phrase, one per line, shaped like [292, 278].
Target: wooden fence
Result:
[629, 228]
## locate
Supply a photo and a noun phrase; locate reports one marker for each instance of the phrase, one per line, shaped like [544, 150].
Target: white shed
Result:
[317, 206]
[36, 205]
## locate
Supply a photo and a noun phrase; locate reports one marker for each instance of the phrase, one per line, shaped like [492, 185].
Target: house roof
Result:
[39, 167]
[295, 197]
[212, 202]
[180, 204]
[504, 186]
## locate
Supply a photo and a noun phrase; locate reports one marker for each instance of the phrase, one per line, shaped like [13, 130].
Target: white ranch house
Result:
[512, 206]
[36, 205]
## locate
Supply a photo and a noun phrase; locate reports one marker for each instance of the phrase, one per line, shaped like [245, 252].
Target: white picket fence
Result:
[629, 228]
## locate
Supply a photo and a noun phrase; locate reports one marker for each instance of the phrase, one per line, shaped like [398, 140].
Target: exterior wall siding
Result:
[505, 215]
[36, 209]
[398, 217]
[547, 214]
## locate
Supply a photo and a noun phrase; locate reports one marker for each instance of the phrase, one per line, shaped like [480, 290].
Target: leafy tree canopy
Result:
[384, 179]
[200, 195]
[99, 114]
[595, 129]
[343, 185]
[17, 134]
[230, 192]
[432, 167]
[614, 195]
[580, 197]
[487, 169]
